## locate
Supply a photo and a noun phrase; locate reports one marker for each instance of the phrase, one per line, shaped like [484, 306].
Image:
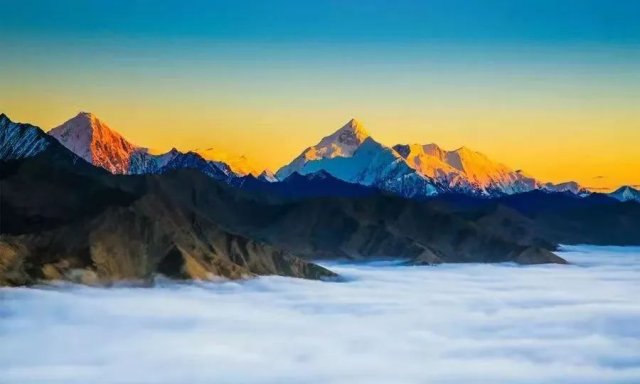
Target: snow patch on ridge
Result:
[19, 141]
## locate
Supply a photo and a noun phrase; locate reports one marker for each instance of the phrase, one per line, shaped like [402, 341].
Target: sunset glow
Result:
[556, 96]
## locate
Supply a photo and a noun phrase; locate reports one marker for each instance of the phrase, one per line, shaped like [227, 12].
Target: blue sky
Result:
[488, 22]
[534, 84]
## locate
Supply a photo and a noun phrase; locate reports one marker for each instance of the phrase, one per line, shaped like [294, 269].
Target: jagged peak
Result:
[94, 141]
[431, 146]
[356, 127]
[626, 193]
[90, 123]
[355, 123]
[91, 118]
[266, 175]
[625, 188]
[85, 114]
[348, 137]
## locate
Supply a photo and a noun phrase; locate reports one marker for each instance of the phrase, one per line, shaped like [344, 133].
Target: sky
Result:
[549, 87]
[386, 323]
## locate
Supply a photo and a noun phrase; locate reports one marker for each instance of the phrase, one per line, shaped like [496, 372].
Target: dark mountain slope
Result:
[93, 226]
[61, 218]
[370, 226]
[301, 187]
[151, 235]
[545, 218]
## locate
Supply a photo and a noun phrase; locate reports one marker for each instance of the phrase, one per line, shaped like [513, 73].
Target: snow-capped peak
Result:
[18, 141]
[356, 126]
[94, 141]
[568, 186]
[464, 169]
[351, 155]
[626, 193]
[341, 143]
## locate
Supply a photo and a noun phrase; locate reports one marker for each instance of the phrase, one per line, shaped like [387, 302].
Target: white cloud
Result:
[387, 324]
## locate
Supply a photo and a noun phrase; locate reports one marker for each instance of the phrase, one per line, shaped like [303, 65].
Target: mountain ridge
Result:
[626, 193]
[64, 218]
[96, 142]
[427, 170]
[428, 167]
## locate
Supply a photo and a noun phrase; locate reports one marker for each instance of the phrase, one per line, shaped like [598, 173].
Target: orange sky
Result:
[550, 87]
[599, 150]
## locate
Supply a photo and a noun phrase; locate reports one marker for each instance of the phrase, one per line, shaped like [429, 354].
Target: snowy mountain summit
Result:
[91, 139]
[626, 193]
[94, 141]
[352, 155]
[342, 143]
[412, 170]
[349, 154]
[465, 170]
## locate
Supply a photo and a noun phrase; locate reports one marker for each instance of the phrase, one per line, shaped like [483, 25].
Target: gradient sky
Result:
[551, 87]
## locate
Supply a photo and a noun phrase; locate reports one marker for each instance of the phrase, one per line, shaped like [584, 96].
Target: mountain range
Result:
[83, 204]
[350, 154]
[415, 170]
[94, 141]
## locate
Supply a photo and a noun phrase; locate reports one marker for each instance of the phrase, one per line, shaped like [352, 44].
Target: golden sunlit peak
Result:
[355, 123]
[88, 115]
[357, 127]
[93, 120]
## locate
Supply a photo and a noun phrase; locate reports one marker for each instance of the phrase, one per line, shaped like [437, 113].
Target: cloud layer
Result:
[387, 324]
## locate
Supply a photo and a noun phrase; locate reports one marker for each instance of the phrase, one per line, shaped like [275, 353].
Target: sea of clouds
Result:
[388, 323]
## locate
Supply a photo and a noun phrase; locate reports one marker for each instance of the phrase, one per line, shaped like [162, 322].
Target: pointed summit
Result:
[341, 143]
[91, 139]
[86, 114]
[355, 126]
[353, 132]
[18, 140]
[626, 193]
